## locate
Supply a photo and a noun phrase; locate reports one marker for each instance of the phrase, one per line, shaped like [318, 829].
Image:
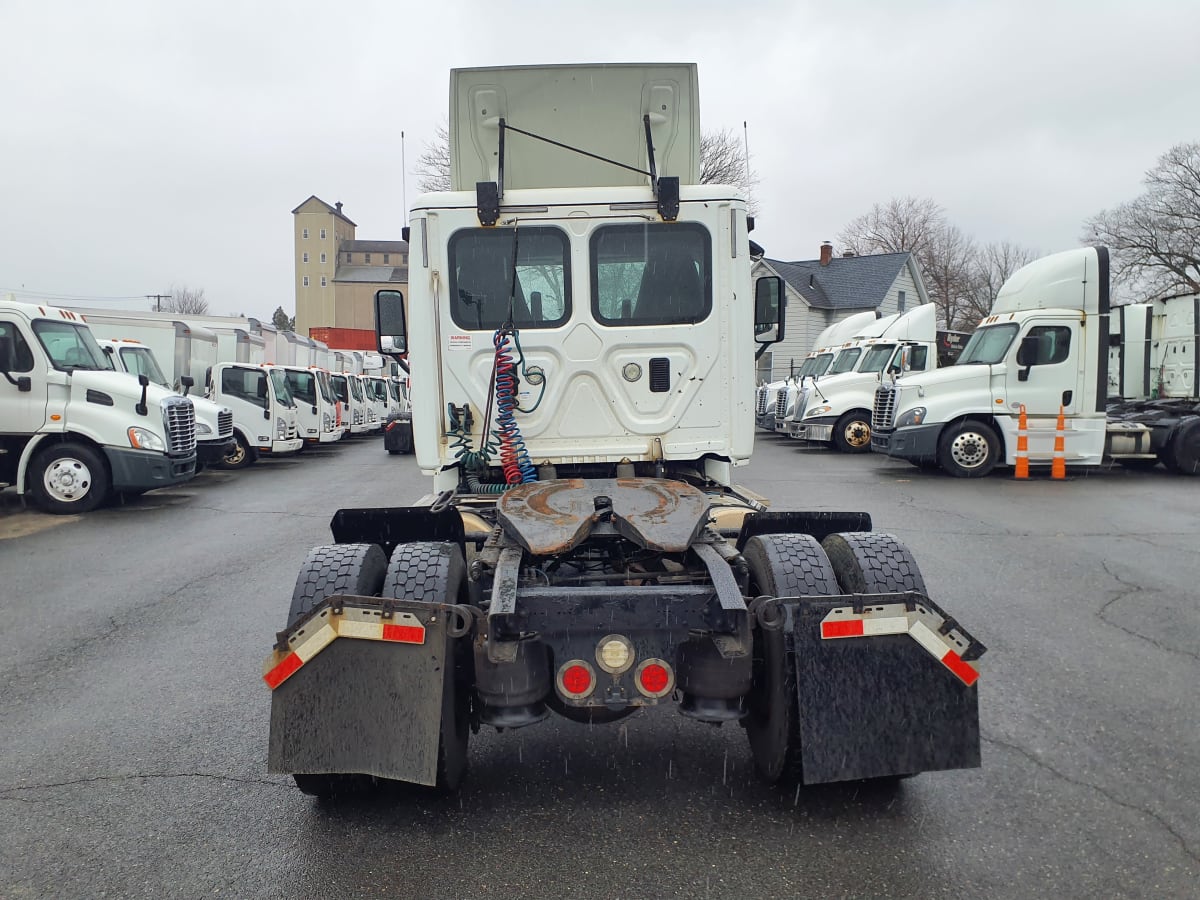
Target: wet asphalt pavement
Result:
[133, 720]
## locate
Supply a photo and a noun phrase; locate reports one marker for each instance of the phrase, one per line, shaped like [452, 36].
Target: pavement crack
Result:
[1131, 589]
[1132, 807]
[14, 792]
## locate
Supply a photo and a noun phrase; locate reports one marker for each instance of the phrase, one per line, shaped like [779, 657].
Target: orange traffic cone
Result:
[1058, 468]
[1022, 461]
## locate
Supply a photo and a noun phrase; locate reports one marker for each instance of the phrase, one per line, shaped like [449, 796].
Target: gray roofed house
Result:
[371, 274]
[826, 290]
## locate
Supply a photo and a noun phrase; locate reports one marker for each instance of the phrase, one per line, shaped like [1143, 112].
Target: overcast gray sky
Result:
[150, 143]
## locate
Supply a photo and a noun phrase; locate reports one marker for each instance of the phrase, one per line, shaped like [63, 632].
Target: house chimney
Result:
[339, 207]
[826, 253]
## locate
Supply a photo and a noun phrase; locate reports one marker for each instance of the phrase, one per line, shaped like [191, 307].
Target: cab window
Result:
[22, 355]
[1045, 345]
[651, 273]
[244, 384]
[487, 289]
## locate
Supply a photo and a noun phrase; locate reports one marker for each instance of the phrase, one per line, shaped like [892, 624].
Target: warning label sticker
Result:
[458, 341]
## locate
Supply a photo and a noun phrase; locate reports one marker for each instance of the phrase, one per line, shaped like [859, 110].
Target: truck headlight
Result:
[818, 411]
[141, 439]
[202, 428]
[326, 422]
[914, 416]
[280, 429]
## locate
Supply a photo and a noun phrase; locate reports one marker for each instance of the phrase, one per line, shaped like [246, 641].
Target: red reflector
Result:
[655, 678]
[954, 663]
[576, 680]
[848, 628]
[404, 634]
[282, 672]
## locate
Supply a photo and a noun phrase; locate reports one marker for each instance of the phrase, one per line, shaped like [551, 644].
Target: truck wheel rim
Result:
[67, 480]
[236, 455]
[858, 434]
[969, 450]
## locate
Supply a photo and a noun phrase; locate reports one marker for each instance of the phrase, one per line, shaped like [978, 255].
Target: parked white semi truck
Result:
[214, 423]
[581, 333]
[73, 431]
[837, 409]
[264, 413]
[775, 401]
[1045, 345]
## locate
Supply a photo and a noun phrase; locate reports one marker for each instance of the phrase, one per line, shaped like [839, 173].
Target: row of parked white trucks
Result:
[95, 405]
[1125, 378]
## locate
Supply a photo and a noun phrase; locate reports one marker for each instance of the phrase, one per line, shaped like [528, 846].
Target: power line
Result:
[75, 298]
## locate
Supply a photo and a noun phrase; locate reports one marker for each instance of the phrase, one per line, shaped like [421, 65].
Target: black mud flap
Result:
[370, 707]
[882, 705]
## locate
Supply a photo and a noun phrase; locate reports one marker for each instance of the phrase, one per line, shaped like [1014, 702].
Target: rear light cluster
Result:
[653, 678]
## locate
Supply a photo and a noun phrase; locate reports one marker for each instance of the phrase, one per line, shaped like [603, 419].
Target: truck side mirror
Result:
[187, 381]
[8, 362]
[769, 310]
[391, 335]
[1027, 355]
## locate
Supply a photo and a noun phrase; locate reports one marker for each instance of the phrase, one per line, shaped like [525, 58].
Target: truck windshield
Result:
[279, 382]
[988, 346]
[303, 386]
[70, 346]
[845, 360]
[356, 388]
[877, 357]
[824, 361]
[484, 294]
[651, 274]
[141, 361]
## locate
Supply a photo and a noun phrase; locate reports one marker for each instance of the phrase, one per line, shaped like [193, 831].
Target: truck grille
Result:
[801, 405]
[883, 416]
[781, 403]
[224, 423]
[179, 418]
[760, 402]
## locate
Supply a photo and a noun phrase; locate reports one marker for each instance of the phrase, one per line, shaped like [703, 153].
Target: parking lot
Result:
[132, 757]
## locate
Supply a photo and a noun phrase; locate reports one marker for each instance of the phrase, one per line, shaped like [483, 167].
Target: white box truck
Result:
[264, 413]
[73, 431]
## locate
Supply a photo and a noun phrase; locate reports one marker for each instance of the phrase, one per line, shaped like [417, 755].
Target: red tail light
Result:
[576, 679]
[655, 678]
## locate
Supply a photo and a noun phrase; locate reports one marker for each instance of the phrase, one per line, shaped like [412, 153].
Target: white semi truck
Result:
[581, 333]
[1045, 346]
[214, 423]
[836, 410]
[73, 431]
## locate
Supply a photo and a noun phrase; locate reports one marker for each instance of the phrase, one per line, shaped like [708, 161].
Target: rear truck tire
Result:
[326, 571]
[242, 454]
[1182, 454]
[969, 449]
[433, 572]
[68, 478]
[781, 565]
[868, 562]
[852, 433]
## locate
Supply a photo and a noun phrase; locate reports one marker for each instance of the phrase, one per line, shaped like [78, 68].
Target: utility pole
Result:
[403, 182]
[158, 299]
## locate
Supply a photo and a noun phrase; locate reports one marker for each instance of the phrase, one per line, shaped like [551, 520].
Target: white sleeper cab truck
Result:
[317, 416]
[214, 423]
[581, 333]
[1045, 346]
[264, 413]
[74, 432]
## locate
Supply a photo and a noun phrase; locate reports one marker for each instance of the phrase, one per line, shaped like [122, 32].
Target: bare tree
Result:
[1155, 238]
[433, 166]
[994, 264]
[189, 301]
[722, 161]
[948, 260]
[903, 224]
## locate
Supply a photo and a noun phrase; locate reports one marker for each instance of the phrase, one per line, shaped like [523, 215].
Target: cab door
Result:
[22, 412]
[1043, 372]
